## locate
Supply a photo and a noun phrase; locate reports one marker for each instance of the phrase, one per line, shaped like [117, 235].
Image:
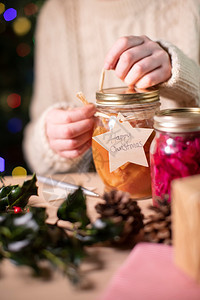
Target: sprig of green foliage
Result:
[26, 238]
[16, 195]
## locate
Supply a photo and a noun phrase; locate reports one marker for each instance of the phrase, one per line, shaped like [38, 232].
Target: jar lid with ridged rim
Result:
[126, 96]
[178, 120]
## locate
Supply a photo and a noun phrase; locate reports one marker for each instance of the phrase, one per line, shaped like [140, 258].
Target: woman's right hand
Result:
[69, 132]
[139, 61]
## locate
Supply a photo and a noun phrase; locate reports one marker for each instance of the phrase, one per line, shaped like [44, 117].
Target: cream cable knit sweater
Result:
[72, 39]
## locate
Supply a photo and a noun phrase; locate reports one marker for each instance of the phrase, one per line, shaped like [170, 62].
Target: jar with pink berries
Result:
[175, 149]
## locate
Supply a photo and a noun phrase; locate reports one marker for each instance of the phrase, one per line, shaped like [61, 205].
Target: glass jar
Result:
[121, 139]
[175, 150]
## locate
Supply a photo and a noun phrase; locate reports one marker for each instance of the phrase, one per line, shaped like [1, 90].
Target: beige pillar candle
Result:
[186, 224]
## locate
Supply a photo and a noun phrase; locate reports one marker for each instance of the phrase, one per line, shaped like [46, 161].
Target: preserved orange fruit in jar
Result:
[122, 136]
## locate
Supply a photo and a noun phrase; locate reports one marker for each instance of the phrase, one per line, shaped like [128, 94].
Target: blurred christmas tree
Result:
[17, 27]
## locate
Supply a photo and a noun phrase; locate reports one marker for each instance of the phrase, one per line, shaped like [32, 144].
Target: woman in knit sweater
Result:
[73, 39]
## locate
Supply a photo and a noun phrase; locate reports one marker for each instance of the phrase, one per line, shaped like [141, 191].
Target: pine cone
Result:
[120, 208]
[157, 227]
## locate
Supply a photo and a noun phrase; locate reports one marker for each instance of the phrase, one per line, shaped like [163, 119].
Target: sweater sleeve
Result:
[184, 85]
[48, 94]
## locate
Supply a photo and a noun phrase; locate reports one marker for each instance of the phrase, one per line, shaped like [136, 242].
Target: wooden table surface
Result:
[17, 283]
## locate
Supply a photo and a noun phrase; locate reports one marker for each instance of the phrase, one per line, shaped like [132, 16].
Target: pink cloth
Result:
[150, 274]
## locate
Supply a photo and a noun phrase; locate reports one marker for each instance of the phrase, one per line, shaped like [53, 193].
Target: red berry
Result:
[17, 210]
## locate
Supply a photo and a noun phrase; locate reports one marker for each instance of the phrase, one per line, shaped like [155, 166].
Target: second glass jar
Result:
[136, 107]
[175, 150]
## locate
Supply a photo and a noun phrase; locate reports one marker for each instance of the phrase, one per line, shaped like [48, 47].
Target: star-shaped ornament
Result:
[124, 143]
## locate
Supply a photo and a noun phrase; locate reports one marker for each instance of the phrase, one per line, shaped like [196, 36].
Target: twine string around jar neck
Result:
[138, 115]
[83, 99]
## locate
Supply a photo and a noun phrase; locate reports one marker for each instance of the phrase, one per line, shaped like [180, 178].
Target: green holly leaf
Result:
[15, 195]
[100, 231]
[73, 209]
[19, 196]
[5, 190]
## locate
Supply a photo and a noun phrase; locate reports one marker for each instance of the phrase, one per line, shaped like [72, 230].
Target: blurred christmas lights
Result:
[30, 9]
[19, 171]
[2, 164]
[13, 51]
[14, 100]
[10, 14]
[22, 26]
[2, 8]
[23, 49]
[14, 125]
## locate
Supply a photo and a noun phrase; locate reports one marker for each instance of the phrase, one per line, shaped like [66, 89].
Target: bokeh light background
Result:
[17, 27]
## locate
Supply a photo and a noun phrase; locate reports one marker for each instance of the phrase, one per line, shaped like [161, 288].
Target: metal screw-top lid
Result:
[126, 96]
[178, 120]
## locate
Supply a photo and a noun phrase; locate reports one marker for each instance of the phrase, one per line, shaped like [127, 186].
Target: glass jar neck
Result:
[137, 111]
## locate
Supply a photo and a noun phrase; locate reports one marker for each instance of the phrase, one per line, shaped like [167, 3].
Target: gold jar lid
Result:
[126, 96]
[178, 120]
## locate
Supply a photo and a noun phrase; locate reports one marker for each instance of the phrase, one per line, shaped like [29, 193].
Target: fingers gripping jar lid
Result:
[126, 96]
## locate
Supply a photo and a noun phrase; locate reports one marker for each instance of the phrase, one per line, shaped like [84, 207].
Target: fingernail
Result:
[107, 66]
